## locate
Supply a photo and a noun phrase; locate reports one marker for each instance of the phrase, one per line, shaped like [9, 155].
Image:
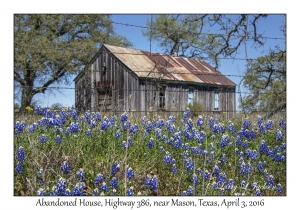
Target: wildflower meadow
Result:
[64, 153]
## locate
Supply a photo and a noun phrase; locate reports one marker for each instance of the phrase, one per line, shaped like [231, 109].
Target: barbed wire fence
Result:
[153, 85]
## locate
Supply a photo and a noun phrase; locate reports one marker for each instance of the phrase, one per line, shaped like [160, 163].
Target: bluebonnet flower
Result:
[252, 134]
[161, 149]
[41, 192]
[96, 192]
[245, 144]
[189, 164]
[254, 185]
[243, 183]
[65, 167]
[223, 158]
[118, 134]
[20, 156]
[216, 170]
[278, 157]
[58, 139]
[211, 122]
[97, 116]
[39, 175]
[215, 128]
[231, 127]
[190, 124]
[115, 168]
[61, 187]
[229, 185]
[184, 193]
[19, 168]
[177, 143]
[259, 120]
[190, 190]
[80, 175]
[245, 169]
[67, 131]
[270, 181]
[195, 179]
[32, 127]
[163, 138]
[130, 192]
[38, 110]
[282, 124]
[104, 187]
[134, 128]
[89, 132]
[99, 179]
[263, 148]
[152, 182]
[186, 146]
[158, 133]
[238, 141]
[200, 121]
[79, 189]
[257, 192]
[123, 118]
[206, 175]
[151, 143]
[262, 129]
[130, 173]
[149, 127]
[114, 183]
[224, 141]
[246, 124]
[174, 169]
[279, 189]
[283, 146]
[221, 178]
[105, 123]
[214, 185]
[18, 127]
[205, 152]
[197, 150]
[279, 135]
[269, 124]
[43, 138]
[167, 158]
[221, 128]
[186, 114]
[74, 127]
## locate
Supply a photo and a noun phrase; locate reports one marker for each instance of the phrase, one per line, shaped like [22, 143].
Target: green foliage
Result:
[196, 109]
[265, 78]
[52, 48]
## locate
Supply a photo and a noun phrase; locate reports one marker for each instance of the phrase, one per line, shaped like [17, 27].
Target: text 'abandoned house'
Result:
[125, 79]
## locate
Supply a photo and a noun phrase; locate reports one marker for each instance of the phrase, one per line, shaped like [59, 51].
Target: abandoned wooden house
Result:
[125, 79]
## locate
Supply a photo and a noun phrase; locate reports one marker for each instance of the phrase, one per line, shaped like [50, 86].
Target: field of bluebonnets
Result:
[62, 153]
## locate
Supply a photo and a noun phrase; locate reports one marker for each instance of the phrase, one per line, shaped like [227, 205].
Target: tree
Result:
[51, 49]
[265, 78]
[193, 37]
[56, 106]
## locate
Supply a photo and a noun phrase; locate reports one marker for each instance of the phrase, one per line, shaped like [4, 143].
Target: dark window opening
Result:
[162, 98]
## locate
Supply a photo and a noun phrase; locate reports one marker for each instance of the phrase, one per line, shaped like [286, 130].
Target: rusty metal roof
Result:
[167, 67]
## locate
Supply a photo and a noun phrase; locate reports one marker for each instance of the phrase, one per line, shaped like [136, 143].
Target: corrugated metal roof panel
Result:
[166, 67]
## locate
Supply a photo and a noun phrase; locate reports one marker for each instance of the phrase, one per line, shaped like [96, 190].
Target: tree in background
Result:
[56, 106]
[212, 37]
[51, 49]
[265, 78]
[195, 35]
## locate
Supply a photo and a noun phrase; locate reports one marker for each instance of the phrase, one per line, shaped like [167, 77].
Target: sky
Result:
[270, 27]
